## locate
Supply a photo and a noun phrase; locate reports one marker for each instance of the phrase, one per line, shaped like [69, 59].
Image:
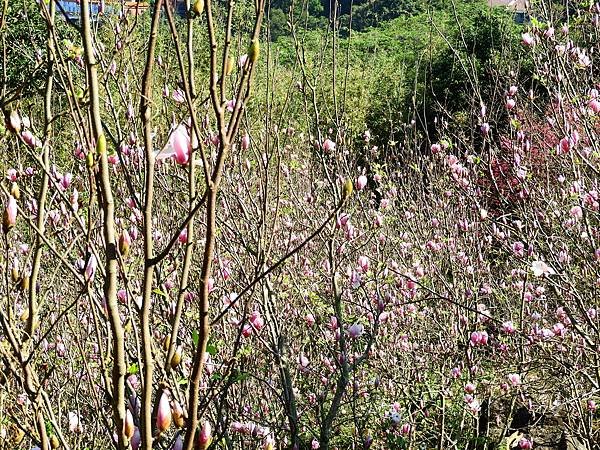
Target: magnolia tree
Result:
[188, 265]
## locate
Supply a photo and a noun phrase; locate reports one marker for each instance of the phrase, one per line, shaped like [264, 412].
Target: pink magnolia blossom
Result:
[246, 141]
[178, 96]
[525, 443]
[479, 338]
[328, 146]
[12, 175]
[356, 330]
[363, 263]
[90, 267]
[309, 319]
[540, 268]
[527, 39]
[178, 147]
[361, 182]
[74, 422]
[10, 214]
[514, 379]
[205, 436]
[163, 415]
[183, 236]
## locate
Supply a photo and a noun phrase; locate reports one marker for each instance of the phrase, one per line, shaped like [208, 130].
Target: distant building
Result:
[72, 8]
[519, 8]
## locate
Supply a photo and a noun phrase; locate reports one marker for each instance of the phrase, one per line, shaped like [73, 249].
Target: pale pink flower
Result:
[178, 96]
[527, 39]
[205, 436]
[10, 214]
[540, 268]
[309, 319]
[246, 141]
[361, 182]
[328, 146]
[525, 443]
[163, 415]
[576, 212]
[363, 263]
[12, 175]
[74, 422]
[356, 330]
[514, 379]
[90, 267]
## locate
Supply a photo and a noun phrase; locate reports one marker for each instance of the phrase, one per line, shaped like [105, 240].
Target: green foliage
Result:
[24, 39]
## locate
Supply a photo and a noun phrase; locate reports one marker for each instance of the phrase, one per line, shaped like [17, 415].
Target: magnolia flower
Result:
[10, 214]
[90, 267]
[74, 422]
[525, 443]
[328, 145]
[163, 416]
[527, 39]
[205, 436]
[540, 268]
[246, 141]
[128, 425]
[178, 146]
[178, 96]
[514, 379]
[356, 330]
[361, 182]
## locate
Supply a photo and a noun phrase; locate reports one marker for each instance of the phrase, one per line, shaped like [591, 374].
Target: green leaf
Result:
[133, 369]
[211, 348]
[195, 337]
[159, 292]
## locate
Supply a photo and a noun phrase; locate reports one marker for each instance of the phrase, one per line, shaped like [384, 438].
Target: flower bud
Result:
[89, 159]
[246, 142]
[10, 214]
[15, 191]
[163, 416]
[204, 437]
[178, 415]
[124, 243]
[229, 64]
[128, 425]
[254, 51]
[14, 122]
[198, 7]
[361, 182]
[101, 144]
[24, 285]
[176, 359]
[347, 189]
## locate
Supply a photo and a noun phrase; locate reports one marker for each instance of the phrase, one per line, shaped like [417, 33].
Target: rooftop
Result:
[517, 5]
